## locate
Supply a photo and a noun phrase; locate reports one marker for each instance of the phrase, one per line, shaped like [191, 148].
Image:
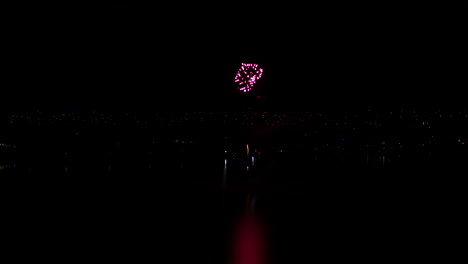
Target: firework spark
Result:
[247, 76]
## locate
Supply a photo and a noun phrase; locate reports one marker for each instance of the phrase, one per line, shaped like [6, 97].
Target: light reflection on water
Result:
[224, 179]
[248, 245]
[244, 179]
[236, 161]
[8, 166]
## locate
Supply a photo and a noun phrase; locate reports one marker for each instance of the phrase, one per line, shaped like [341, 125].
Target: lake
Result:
[211, 187]
[183, 202]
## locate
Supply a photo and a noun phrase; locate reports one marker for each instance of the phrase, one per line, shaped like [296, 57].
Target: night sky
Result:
[118, 58]
[75, 79]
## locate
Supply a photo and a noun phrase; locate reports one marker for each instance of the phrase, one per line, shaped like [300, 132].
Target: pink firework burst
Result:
[247, 76]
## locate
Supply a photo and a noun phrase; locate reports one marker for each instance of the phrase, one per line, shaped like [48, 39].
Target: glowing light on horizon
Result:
[247, 76]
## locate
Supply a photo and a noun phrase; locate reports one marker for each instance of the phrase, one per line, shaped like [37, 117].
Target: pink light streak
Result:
[249, 245]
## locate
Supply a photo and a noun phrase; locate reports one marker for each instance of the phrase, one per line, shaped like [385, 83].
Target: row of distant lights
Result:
[7, 166]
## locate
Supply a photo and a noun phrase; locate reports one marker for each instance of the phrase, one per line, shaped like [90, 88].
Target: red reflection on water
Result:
[248, 244]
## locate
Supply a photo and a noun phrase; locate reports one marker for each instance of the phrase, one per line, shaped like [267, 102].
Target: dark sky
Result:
[123, 58]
